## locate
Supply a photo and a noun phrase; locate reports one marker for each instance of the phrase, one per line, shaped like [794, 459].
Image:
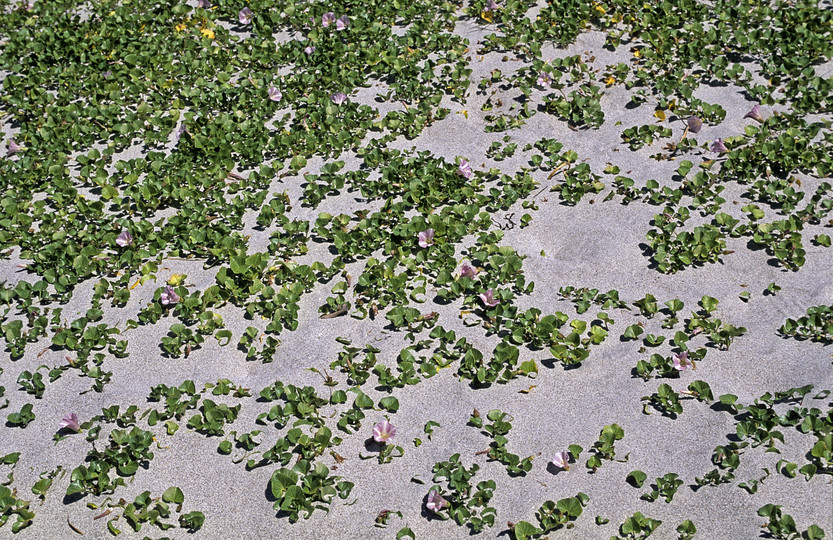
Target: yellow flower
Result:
[180, 27]
[207, 32]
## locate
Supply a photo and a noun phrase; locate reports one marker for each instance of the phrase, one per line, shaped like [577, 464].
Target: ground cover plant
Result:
[264, 263]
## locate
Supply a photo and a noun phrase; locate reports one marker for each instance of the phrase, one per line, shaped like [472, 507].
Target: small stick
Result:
[342, 310]
[74, 528]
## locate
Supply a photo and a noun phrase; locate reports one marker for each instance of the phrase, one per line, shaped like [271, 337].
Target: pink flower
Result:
[342, 23]
[718, 147]
[125, 239]
[309, 50]
[426, 238]
[755, 114]
[694, 124]
[327, 19]
[544, 79]
[275, 94]
[70, 422]
[245, 16]
[338, 98]
[203, 4]
[466, 270]
[491, 5]
[14, 148]
[383, 432]
[435, 501]
[562, 460]
[464, 169]
[489, 299]
[682, 362]
[169, 296]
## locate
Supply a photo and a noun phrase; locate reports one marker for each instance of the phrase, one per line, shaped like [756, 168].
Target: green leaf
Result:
[297, 163]
[570, 506]
[636, 478]
[524, 530]
[173, 495]
[390, 404]
[632, 332]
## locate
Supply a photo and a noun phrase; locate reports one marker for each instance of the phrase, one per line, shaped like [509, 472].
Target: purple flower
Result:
[426, 238]
[342, 23]
[169, 296]
[491, 5]
[464, 169]
[489, 299]
[384, 431]
[327, 19]
[562, 460]
[755, 114]
[203, 4]
[245, 16]
[275, 94]
[544, 79]
[694, 124]
[125, 239]
[70, 422]
[309, 50]
[435, 501]
[466, 270]
[107, 74]
[338, 98]
[14, 148]
[718, 146]
[682, 362]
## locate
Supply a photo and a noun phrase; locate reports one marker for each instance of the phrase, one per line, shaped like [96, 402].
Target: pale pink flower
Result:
[342, 23]
[435, 501]
[181, 131]
[562, 460]
[491, 5]
[464, 169]
[383, 432]
[489, 299]
[203, 4]
[13, 148]
[694, 124]
[275, 94]
[309, 49]
[327, 19]
[125, 239]
[70, 422]
[755, 114]
[718, 147]
[426, 238]
[169, 296]
[544, 79]
[245, 16]
[682, 362]
[338, 98]
[466, 270]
